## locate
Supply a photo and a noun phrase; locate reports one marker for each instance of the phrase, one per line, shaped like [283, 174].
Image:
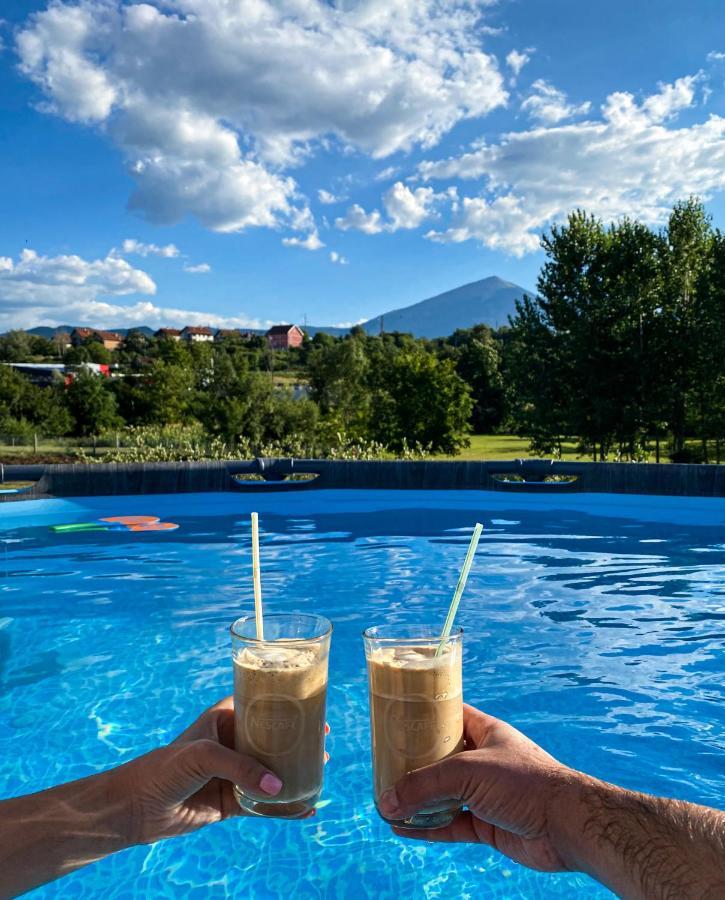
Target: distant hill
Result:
[489, 301]
[47, 332]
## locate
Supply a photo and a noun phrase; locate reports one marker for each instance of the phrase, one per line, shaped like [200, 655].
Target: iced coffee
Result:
[280, 688]
[416, 709]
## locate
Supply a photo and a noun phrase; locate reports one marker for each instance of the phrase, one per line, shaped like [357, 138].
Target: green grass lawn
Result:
[508, 446]
[503, 446]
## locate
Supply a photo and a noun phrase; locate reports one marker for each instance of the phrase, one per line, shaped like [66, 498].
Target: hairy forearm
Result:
[641, 846]
[54, 832]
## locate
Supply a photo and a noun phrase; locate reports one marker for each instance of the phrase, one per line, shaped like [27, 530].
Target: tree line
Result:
[622, 346]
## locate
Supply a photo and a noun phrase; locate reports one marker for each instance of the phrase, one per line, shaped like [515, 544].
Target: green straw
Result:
[460, 587]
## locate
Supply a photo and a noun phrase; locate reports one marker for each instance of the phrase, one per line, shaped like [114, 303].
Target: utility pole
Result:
[382, 325]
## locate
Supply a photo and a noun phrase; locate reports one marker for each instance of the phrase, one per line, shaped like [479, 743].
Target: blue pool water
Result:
[595, 623]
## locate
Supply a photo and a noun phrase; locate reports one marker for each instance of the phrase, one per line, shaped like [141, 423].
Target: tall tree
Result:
[567, 327]
[477, 357]
[687, 250]
[706, 397]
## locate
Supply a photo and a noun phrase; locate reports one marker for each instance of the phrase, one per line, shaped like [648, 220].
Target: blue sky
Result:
[163, 162]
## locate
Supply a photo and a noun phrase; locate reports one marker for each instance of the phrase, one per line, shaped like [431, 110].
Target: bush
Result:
[189, 443]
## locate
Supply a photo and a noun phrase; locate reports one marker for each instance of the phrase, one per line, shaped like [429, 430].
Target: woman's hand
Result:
[188, 784]
[169, 791]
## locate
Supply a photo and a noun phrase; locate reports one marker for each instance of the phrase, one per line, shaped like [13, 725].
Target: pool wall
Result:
[191, 477]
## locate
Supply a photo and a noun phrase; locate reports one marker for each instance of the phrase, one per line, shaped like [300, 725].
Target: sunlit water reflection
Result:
[594, 624]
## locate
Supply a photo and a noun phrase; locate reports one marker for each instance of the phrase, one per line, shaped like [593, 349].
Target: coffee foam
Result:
[411, 657]
[270, 656]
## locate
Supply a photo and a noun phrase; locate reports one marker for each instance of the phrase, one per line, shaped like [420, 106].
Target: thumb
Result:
[450, 779]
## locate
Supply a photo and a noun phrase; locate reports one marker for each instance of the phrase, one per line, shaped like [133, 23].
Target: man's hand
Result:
[546, 816]
[508, 783]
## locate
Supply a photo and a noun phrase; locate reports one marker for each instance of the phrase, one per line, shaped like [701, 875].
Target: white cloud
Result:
[632, 161]
[336, 257]
[311, 242]
[405, 209]
[326, 197]
[549, 105]
[199, 269]
[358, 220]
[387, 173]
[131, 245]
[715, 56]
[500, 224]
[33, 274]
[516, 60]
[209, 100]
[68, 290]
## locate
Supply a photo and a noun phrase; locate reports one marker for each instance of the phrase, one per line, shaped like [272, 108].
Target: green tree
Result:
[634, 372]
[97, 353]
[706, 395]
[52, 415]
[477, 357]
[588, 357]
[563, 336]
[28, 409]
[91, 404]
[169, 392]
[686, 256]
[418, 398]
[16, 346]
[535, 377]
[339, 382]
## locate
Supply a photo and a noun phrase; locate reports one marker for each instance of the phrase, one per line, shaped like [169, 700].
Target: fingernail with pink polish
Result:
[389, 802]
[270, 784]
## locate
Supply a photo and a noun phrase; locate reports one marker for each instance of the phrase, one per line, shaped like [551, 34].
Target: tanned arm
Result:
[549, 817]
[641, 846]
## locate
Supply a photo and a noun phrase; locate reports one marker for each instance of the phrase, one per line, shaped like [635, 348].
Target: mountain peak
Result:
[489, 301]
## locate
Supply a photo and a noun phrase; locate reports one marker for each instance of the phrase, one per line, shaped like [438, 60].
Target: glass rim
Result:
[325, 622]
[456, 634]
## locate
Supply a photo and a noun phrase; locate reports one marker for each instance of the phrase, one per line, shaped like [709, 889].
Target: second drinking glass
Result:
[416, 708]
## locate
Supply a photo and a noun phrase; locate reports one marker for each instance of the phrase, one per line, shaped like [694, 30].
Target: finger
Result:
[225, 703]
[206, 724]
[464, 829]
[327, 756]
[450, 779]
[477, 725]
[201, 760]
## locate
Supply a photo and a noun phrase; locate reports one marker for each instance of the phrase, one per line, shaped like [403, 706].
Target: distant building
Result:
[224, 333]
[109, 339]
[283, 337]
[195, 334]
[62, 340]
[44, 374]
[171, 334]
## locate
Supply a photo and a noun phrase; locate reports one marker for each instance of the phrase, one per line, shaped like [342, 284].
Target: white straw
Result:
[462, 579]
[257, 578]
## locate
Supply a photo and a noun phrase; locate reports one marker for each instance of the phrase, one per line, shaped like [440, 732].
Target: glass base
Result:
[271, 809]
[437, 818]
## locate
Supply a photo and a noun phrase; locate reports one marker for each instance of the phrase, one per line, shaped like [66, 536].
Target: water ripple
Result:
[599, 635]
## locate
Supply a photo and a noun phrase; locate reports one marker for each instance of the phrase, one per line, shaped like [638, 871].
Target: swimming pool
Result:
[593, 622]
